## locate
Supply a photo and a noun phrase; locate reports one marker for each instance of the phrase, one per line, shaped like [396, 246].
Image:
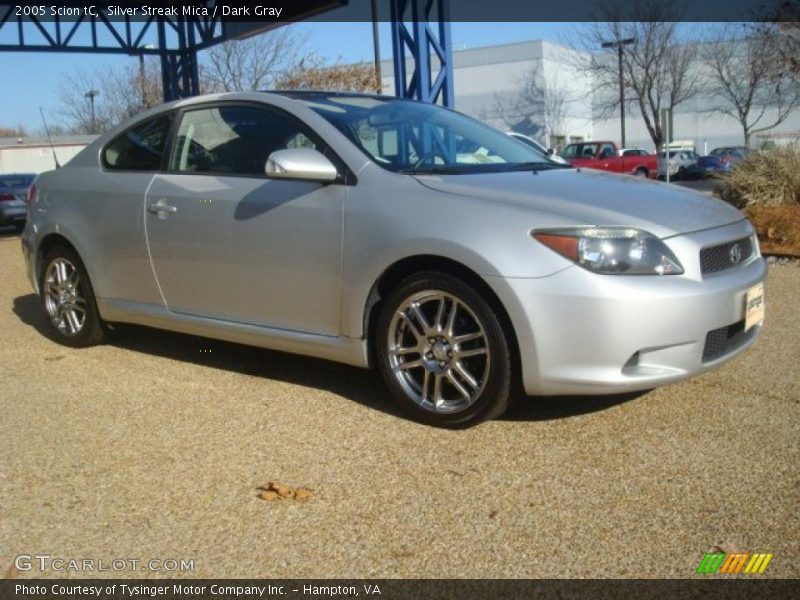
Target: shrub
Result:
[770, 177]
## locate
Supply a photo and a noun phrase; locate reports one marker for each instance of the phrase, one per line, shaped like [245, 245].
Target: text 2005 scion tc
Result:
[377, 231]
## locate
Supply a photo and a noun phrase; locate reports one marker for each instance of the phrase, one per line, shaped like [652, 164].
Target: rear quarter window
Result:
[140, 148]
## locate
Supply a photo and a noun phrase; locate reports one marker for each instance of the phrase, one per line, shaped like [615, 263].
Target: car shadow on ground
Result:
[360, 385]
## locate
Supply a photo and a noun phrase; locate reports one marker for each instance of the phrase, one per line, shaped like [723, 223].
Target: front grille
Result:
[723, 256]
[724, 340]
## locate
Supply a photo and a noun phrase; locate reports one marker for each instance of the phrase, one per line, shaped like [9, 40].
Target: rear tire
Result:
[68, 300]
[640, 173]
[443, 352]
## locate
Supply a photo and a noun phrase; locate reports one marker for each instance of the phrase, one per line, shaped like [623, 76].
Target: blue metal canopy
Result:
[420, 33]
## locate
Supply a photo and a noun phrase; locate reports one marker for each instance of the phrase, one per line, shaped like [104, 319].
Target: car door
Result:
[227, 242]
[608, 159]
[109, 207]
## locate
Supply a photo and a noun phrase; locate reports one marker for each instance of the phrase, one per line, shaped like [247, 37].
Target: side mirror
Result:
[550, 152]
[300, 163]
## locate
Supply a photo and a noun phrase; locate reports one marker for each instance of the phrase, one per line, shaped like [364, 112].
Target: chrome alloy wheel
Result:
[438, 351]
[63, 297]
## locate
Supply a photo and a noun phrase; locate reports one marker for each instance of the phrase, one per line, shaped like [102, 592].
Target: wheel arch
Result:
[49, 241]
[401, 269]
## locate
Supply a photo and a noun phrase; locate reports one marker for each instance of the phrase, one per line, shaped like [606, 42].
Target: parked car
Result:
[707, 166]
[679, 161]
[529, 141]
[13, 194]
[632, 152]
[730, 154]
[605, 156]
[347, 227]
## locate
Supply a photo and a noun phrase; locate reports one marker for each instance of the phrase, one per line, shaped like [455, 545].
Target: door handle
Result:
[162, 209]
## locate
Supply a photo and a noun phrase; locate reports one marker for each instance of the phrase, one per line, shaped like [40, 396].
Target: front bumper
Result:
[583, 333]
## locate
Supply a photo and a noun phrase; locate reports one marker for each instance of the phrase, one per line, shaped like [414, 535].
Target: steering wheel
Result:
[429, 156]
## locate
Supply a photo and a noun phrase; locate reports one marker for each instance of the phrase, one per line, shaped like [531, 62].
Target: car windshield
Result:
[579, 151]
[413, 137]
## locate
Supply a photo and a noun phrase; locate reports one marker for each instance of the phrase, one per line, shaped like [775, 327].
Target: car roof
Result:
[306, 94]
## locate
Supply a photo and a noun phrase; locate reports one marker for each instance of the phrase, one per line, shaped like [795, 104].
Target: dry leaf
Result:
[302, 495]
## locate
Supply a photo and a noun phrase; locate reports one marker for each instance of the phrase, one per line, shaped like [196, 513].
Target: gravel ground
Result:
[153, 446]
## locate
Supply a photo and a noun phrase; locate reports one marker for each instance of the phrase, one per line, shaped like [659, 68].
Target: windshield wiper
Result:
[538, 166]
[470, 169]
[443, 170]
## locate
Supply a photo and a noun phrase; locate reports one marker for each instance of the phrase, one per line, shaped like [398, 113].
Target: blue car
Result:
[707, 166]
[13, 192]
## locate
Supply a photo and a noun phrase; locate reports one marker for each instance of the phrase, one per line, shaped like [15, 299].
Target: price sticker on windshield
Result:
[754, 306]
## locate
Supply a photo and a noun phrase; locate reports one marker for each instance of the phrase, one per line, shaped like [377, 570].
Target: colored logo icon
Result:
[733, 562]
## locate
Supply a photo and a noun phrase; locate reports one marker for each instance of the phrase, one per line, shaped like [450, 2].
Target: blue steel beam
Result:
[123, 35]
[175, 41]
[427, 36]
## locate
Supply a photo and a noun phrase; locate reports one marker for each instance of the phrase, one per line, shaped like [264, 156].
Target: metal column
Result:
[421, 32]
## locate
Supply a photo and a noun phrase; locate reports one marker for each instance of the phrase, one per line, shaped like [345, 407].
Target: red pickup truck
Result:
[607, 157]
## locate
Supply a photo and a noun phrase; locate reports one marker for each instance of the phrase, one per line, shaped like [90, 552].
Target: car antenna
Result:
[49, 139]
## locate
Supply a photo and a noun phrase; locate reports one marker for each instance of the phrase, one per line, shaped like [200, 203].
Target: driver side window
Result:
[233, 140]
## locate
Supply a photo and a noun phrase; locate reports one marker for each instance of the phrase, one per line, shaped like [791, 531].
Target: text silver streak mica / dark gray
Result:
[370, 230]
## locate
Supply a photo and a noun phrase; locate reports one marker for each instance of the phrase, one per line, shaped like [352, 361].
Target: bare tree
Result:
[74, 106]
[313, 72]
[123, 92]
[781, 31]
[656, 69]
[18, 131]
[538, 109]
[254, 63]
[132, 89]
[749, 82]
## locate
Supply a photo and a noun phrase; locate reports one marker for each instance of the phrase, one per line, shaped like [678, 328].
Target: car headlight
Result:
[612, 250]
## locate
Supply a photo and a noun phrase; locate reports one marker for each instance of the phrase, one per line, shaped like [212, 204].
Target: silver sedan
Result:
[382, 232]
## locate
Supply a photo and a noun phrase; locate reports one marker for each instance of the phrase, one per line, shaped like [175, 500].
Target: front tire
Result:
[443, 352]
[68, 300]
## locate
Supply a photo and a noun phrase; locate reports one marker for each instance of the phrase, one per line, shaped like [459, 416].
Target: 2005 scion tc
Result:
[376, 231]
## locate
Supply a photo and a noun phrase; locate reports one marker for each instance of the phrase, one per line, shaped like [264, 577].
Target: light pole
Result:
[619, 44]
[91, 95]
[377, 47]
[142, 83]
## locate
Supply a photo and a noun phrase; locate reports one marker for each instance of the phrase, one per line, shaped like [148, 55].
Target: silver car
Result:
[679, 161]
[383, 232]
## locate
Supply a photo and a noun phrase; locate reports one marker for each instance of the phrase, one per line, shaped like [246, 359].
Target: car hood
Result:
[571, 197]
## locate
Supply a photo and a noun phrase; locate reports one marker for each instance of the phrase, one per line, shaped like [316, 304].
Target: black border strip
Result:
[245, 11]
[728, 587]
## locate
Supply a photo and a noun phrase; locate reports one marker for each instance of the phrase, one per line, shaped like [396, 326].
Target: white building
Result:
[490, 81]
[34, 154]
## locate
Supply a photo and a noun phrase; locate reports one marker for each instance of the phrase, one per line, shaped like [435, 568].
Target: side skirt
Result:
[351, 351]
